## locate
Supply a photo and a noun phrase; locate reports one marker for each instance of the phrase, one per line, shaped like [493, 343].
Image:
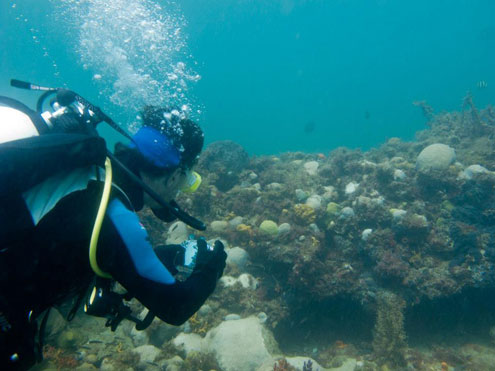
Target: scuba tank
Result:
[72, 142]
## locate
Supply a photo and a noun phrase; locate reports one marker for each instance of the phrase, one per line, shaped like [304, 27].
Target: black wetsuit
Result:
[48, 263]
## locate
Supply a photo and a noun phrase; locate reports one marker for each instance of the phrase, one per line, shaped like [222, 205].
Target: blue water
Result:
[267, 67]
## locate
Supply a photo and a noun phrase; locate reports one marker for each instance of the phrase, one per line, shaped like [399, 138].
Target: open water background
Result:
[272, 75]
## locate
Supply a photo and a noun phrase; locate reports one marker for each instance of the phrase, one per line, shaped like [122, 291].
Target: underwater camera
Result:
[185, 260]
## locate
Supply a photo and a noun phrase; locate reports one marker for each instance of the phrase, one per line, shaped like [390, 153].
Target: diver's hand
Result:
[211, 259]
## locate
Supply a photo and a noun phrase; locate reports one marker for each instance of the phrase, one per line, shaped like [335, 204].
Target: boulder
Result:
[435, 157]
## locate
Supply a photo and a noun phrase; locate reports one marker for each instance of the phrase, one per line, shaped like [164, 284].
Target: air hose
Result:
[99, 220]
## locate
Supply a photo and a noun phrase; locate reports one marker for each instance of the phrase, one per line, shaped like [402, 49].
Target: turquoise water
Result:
[258, 72]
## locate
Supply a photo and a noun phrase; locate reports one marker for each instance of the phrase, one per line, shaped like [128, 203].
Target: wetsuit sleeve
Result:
[125, 252]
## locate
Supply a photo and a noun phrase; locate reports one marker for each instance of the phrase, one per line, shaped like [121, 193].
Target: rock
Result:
[227, 281]
[366, 234]
[311, 167]
[246, 352]
[237, 256]
[346, 213]
[472, 171]
[333, 209]
[188, 343]
[399, 175]
[301, 195]
[269, 227]
[219, 226]
[247, 281]
[330, 193]
[351, 187]
[177, 233]
[252, 176]
[314, 202]
[435, 157]
[275, 186]
[204, 310]
[398, 214]
[173, 364]
[283, 229]
[147, 353]
[234, 222]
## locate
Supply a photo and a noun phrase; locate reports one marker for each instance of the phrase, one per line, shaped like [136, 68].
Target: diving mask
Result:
[192, 182]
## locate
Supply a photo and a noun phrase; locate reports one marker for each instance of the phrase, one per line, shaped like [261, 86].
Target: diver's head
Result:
[167, 147]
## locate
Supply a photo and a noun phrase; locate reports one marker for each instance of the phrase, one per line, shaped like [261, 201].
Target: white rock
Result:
[189, 343]
[435, 157]
[219, 226]
[311, 167]
[471, 171]
[177, 233]
[237, 256]
[274, 186]
[147, 353]
[314, 201]
[247, 281]
[227, 281]
[366, 234]
[351, 187]
[399, 175]
[253, 176]
[398, 214]
[246, 352]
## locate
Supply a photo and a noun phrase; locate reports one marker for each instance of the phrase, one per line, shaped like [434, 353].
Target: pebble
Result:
[366, 234]
[351, 187]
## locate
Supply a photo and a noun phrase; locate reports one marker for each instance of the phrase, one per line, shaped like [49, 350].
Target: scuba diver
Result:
[63, 194]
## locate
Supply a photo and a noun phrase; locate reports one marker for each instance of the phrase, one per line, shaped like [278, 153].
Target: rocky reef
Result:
[349, 260]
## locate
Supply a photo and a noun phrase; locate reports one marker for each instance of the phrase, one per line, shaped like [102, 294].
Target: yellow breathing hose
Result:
[99, 220]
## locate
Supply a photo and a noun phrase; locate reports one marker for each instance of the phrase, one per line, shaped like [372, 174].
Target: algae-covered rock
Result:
[269, 227]
[333, 209]
[435, 157]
